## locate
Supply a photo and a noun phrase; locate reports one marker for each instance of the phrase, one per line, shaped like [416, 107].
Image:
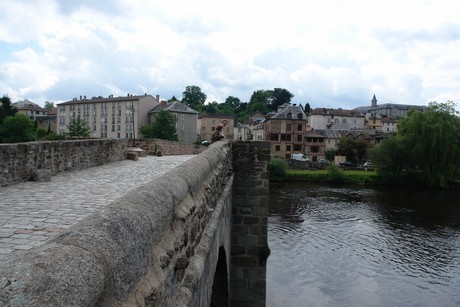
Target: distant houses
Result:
[289, 129]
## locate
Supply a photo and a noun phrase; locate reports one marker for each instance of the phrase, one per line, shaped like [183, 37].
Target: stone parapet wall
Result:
[21, 162]
[167, 148]
[156, 246]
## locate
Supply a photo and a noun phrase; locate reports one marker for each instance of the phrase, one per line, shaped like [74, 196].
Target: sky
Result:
[329, 53]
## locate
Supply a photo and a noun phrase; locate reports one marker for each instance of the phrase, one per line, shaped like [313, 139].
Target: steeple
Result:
[374, 101]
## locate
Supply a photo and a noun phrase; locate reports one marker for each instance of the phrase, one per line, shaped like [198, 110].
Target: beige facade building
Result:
[207, 125]
[113, 117]
[286, 131]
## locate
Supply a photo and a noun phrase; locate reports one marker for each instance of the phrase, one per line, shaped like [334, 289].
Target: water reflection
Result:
[343, 246]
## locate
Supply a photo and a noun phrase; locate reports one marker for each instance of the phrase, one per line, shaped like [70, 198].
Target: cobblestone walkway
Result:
[33, 212]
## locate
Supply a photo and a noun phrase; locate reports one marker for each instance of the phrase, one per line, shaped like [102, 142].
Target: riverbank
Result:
[336, 176]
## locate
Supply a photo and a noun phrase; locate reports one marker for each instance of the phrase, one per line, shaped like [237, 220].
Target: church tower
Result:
[374, 101]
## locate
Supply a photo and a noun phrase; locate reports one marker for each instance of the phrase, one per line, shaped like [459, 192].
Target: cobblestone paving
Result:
[33, 212]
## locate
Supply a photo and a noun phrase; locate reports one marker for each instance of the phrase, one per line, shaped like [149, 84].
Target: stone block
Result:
[42, 175]
[133, 156]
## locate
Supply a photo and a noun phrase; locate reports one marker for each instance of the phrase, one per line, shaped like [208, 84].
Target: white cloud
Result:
[333, 53]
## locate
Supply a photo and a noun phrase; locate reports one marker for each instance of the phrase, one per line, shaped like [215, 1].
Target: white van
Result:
[300, 157]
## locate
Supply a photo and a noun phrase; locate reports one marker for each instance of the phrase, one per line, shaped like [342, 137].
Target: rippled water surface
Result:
[348, 246]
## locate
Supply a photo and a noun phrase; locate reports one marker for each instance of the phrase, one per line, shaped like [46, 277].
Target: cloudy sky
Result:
[330, 53]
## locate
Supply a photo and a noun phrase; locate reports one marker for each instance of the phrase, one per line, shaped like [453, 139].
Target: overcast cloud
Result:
[330, 53]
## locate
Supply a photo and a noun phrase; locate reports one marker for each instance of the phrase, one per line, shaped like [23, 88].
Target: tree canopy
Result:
[193, 97]
[77, 128]
[5, 108]
[163, 127]
[49, 105]
[17, 128]
[427, 146]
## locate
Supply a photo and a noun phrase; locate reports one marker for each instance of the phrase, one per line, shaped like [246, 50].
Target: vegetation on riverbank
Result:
[334, 175]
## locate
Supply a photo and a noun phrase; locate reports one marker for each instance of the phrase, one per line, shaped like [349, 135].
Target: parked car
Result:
[300, 157]
[324, 161]
[368, 166]
[347, 164]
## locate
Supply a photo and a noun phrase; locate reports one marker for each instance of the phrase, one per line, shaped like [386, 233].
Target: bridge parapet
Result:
[151, 247]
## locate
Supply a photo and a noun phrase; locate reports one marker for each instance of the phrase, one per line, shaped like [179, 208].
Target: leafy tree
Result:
[17, 128]
[354, 149]
[163, 127]
[193, 97]
[41, 133]
[279, 96]
[232, 102]
[49, 105]
[427, 146]
[278, 169]
[173, 98]
[77, 128]
[307, 108]
[5, 108]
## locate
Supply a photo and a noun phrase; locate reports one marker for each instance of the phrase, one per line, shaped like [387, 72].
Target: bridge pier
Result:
[249, 248]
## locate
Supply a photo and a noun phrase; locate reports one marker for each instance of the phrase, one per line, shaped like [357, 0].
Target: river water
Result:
[360, 246]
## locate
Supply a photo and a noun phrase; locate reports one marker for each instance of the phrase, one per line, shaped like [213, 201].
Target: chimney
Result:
[158, 97]
[162, 102]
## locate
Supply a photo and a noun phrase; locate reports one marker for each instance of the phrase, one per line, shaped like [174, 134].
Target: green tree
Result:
[193, 97]
[49, 105]
[173, 98]
[434, 140]
[278, 169]
[5, 108]
[17, 128]
[77, 128]
[233, 102]
[427, 146]
[163, 127]
[307, 108]
[354, 149]
[279, 96]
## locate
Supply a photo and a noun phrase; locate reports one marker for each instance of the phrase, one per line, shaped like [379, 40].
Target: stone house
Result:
[335, 119]
[186, 117]
[286, 131]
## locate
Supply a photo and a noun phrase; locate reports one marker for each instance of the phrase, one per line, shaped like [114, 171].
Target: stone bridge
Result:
[196, 236]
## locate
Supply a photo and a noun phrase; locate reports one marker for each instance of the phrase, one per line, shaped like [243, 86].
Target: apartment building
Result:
[207, 124]
[286, 131]
[186, 119]
[335, 119]
[112, 117]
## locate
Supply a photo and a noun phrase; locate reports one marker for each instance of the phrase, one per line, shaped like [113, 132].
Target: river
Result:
[361, 246]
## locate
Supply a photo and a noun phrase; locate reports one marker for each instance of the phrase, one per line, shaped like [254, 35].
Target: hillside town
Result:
[289, 129]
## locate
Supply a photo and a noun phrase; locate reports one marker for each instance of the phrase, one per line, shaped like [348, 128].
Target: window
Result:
[299, 138]
[288, 148]
[288, 137]
[289, 115]
[277, 147]
[299, 116]
[299, 127]
[274, 137]
[297, 147]
[288, 127]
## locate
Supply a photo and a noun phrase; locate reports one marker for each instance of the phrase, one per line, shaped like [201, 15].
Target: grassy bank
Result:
[336, 175]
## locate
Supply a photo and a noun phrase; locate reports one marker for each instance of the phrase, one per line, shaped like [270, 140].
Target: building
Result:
[389, 125]
[255, 125]
[335, 119]
[29, 108]
[207, 125]
[286, 130]
[112, 117]
[389, 110]
[242, 132]
[315, 146]
[186, 117]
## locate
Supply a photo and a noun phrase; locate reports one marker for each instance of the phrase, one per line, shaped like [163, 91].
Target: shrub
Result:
[277, 169]
[334, 173]
[54, 137]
